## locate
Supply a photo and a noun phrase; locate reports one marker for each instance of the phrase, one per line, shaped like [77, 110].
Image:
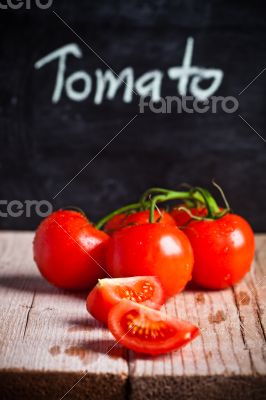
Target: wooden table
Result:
[49, 342]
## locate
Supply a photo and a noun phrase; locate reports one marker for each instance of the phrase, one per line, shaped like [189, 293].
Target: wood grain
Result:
[228, 359]
[48, 342]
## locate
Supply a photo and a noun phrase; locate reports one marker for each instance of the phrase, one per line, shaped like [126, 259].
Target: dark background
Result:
[43, 145]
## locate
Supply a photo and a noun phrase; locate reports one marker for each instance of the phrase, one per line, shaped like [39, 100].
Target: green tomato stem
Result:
[211, 205]
[163, 195]
[161, 198]
[192, 194]
[125, 209]
[151, 191]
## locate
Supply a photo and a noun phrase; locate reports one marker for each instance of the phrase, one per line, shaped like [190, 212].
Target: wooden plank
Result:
[227, 360]
[48, 341]
[250, 297]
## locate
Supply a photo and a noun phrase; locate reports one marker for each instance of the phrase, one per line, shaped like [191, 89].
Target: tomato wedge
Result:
[108, 292]
[144, 330]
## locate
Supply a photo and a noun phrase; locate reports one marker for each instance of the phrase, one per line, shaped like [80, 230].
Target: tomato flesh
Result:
[144, 330]
[152, 249]
[137, 218]
[69, 251]
[108, 292]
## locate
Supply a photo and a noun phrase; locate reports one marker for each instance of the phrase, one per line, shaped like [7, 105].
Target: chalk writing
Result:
[107, 83]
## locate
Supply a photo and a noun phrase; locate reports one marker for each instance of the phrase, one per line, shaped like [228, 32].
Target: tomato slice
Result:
[144, 330]
[108, 292]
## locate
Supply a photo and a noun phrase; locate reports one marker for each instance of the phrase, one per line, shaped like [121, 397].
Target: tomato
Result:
[181, 217]
[137, 218]
[108, 292]
[115, 223]
[144, 330]
[69, 251]
[152, 249]
[223, 250]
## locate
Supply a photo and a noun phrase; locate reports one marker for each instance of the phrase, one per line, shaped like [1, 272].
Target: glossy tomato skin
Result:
[152, 249]
[182, 218]
[109, 292]
[69, 251]
[137, 218]
[223, 250]
[144, 330]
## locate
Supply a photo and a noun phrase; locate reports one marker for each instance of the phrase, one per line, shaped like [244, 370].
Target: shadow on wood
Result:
[33, 283]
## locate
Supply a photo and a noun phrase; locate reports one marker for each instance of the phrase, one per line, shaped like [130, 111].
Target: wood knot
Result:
[243, 298]
[199, 297]
[84, 353]
[54, 350]
[216, 318]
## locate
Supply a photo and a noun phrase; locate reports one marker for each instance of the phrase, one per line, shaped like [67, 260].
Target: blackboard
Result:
[45, 143]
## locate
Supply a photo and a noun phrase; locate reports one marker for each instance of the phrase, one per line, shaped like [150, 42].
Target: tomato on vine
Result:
[152, 249]
[223, 243]
[182, 218]
[137, 218]
[223, 250]
[69, 251]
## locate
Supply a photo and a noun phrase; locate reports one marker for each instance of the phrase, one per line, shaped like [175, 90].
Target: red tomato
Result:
[108, 292]
[137, 218]
[144, 330]
[152, 249]
[181, 217]
[69, 251]
[115, 223]
[223, 250]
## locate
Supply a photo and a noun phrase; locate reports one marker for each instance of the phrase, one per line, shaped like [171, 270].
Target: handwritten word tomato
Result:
[223, 250]
[108, 292]
[144, 330]
[69, 251]
[137, 218]
[152, 249]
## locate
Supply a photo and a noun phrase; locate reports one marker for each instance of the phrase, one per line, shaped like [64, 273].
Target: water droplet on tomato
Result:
[227, 277]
